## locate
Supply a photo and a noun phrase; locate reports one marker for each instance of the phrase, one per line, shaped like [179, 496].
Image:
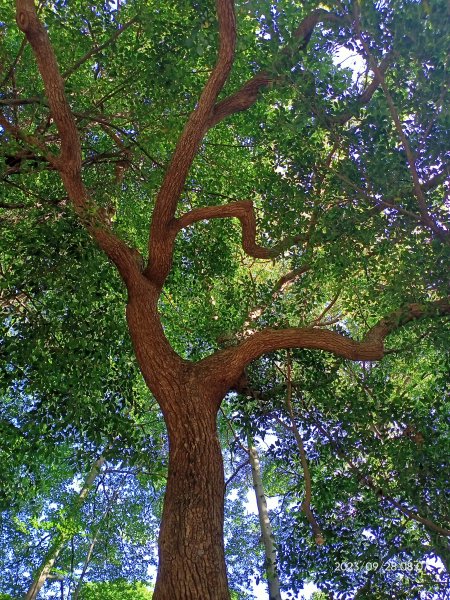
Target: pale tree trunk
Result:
[61, 539]
[92, 544]
[267, 536]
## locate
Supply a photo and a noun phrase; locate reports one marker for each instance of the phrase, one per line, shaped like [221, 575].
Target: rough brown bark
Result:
[191, 550]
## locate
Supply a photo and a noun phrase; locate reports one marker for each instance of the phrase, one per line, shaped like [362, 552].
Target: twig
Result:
[306, 504]
[96, 49]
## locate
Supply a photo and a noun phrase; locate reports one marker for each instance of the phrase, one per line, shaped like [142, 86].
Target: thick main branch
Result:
[160, 241]
[69, 161]
[231, 362]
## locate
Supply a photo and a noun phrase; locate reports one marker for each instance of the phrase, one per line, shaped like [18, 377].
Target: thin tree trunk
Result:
[85, 566]
[88, 558]
[265, 525]
[61, 539]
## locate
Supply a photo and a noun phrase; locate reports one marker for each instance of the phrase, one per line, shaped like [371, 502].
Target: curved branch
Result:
[15, 62]
[366, 96]
[242, 210]
[404, 315]
[232, 361]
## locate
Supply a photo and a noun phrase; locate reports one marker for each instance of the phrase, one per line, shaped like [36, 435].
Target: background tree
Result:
[113, 590]
[345, 179]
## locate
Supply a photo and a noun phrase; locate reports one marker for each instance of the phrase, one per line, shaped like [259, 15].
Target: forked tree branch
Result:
[317, 322]
[160, 240]
[245, 97]
[379, 201]
[164, 227]
[69, 160]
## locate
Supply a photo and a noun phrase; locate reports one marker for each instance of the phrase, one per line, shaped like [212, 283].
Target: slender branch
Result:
[96, 49]
[106, 123]
[31, 141]
[283, 282]
[437, 179]
[234, 434]
[379, 201]
[317, 321]
[6, 206]
[88, 558]
[306, 504]
[367, 480]
[15, 62]
[236, 472]
[21, 101]
[421, 201]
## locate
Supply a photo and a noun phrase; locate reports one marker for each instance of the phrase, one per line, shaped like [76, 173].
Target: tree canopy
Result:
[276, 174]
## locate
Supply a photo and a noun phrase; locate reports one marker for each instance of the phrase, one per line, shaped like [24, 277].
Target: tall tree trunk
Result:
[191, 550]
[61, 539]
[267, 536]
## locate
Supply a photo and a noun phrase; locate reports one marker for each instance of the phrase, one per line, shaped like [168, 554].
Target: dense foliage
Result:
[350, 177]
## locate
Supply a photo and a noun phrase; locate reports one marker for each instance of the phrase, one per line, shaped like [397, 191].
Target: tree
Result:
[115, 589]
[350, 179]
